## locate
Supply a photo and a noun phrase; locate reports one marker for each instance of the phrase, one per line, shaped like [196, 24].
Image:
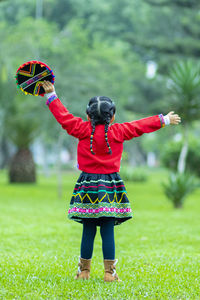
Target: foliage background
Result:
[95, 48]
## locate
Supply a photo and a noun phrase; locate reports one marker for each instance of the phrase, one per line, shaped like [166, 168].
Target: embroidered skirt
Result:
[99, 195]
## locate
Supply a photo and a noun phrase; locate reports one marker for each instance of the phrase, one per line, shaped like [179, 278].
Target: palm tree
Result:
[185, 90]
[178, 187]
[22, 128]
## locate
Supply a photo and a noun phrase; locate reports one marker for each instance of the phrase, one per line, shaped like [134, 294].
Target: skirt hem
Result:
[118, 220]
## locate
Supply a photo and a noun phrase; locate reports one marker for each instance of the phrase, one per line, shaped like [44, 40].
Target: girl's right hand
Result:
[48, 87]
[174, 118]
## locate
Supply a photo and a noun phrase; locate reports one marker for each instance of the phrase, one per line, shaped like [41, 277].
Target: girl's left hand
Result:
[174, 118]
[48, 86]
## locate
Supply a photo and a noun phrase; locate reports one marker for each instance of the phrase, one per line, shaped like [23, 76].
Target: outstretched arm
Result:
[73, 125]
[129, 130]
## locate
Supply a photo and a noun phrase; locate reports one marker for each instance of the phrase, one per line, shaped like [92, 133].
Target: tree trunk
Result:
[22, 167]
[178, 205]
[183, 154]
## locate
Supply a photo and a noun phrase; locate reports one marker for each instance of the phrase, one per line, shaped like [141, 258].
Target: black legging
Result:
[107, 235]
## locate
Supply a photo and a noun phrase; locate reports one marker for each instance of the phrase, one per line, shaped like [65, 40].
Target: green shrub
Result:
[133, 174]
[170, 155]
[178, 187]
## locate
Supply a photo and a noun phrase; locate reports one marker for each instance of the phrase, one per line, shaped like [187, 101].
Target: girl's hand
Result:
[48, 86]
[174, 118]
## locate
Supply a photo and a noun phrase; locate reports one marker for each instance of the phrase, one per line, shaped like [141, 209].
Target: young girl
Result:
[100, 197]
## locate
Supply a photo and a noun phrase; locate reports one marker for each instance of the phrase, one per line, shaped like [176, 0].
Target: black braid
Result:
[106, 137]
[91, 137]
[100, 110]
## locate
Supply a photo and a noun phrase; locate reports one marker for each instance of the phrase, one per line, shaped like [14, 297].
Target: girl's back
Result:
[101, 162]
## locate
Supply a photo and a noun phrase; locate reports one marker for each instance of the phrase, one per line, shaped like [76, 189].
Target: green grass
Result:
[158, 250]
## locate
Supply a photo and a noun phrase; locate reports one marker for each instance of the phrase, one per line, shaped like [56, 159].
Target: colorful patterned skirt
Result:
[99, 195]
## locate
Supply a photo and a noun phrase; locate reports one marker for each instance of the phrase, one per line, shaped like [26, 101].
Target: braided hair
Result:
[100, 110]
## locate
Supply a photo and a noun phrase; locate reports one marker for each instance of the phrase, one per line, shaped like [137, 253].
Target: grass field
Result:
[158, 250]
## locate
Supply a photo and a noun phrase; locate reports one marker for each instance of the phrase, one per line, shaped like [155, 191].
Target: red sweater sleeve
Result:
[74, 126]
[129, 130]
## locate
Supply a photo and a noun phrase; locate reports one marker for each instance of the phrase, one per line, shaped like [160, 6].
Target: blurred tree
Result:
[171, 153]
[159, 32]
[184, 85]
[13, 12]
[135, 24]
[81, 72]
[61, 12]
[98, 47]
[178, 187]
[22, 129]
[17, 47]
[177, 34]
[179, 3]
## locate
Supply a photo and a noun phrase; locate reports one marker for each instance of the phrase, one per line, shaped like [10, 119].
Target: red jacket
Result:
[101, 162]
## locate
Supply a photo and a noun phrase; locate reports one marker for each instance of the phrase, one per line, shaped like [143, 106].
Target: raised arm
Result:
[73, 125]
[129, 130]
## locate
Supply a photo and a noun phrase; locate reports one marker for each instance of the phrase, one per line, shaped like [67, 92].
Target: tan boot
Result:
[83, 269]
[110, 270]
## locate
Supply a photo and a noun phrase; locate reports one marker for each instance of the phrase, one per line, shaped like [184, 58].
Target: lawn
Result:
[158, 250]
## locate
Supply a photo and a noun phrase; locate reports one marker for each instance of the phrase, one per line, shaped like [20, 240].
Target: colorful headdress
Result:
[30, 75]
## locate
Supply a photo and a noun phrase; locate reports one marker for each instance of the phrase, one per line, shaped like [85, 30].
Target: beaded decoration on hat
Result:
[30, 75]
